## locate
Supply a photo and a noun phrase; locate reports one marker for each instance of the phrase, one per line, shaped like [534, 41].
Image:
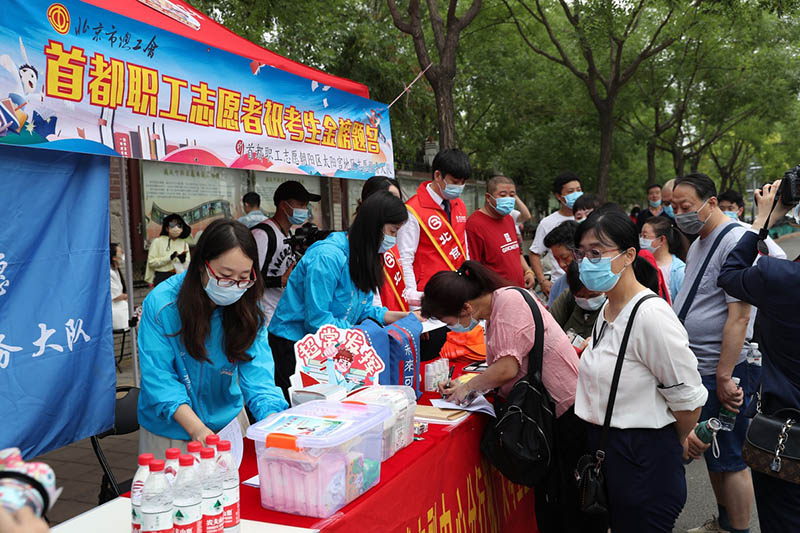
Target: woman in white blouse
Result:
[660, 393]
[119, 299]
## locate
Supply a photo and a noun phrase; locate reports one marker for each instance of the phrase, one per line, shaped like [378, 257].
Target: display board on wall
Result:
[200, 194]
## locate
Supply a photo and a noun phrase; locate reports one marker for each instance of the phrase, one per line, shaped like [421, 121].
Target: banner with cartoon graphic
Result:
[339, 356]
[78, 78]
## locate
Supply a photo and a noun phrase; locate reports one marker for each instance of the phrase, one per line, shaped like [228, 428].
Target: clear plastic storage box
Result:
[315, 458]
[398, 429]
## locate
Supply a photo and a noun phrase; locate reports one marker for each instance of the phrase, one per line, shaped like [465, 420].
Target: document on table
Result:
[478, 405]
[233, 433]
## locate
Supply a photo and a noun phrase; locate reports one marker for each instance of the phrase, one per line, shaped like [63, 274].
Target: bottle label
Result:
[231, 500]
[213, 524]
[157, 522]
[136, 519]
[188, 519]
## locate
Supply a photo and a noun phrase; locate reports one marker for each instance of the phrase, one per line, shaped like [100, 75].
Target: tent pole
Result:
[126, 243]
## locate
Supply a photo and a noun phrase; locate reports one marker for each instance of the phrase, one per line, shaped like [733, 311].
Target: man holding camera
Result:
[773, 286]
[275, 257]
[718, 325]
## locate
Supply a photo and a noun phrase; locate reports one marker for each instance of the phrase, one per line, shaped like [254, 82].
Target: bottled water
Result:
[728, 418]
[188, 497]
[157, 501]
[171, 464]
[136, 491]
[230, 486]
[213, 518]
[194, 448]
[211, 442]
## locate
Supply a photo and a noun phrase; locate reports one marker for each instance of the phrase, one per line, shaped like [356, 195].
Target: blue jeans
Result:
[730, 442]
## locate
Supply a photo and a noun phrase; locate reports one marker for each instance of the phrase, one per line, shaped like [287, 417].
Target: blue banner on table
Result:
[79, 78]
[57, 374]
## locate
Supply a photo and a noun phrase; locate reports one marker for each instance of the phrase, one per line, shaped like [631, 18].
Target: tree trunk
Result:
[678, 162]
[606, 145]
[651, 161]
[445, 111]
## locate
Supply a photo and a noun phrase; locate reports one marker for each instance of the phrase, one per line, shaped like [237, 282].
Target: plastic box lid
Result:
[318, 424]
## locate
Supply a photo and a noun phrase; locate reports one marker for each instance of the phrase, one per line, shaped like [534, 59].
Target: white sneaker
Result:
[712, 524]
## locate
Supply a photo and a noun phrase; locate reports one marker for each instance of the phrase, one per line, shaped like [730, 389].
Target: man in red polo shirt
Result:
[492, 236]
[434, 238]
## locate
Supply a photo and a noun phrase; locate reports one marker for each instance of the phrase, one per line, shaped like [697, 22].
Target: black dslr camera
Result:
[305, 236]
[789, 192]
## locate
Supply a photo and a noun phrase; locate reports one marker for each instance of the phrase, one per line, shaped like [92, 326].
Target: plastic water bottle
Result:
[157, 501]
[754, 355]
[213, 518]
[211, 442]
[230, 486]
[728, 418]
[137, 485]
[171, 464]
[188, 497]
[194, 448]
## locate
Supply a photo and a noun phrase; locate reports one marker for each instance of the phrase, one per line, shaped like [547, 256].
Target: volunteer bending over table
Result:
[474, 292]
[203, 345]
[335, 280]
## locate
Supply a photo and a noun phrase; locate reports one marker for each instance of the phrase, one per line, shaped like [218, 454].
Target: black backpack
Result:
[519, 441]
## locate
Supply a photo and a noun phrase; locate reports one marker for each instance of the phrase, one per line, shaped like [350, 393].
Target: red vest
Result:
[441, 244]
[393, 286]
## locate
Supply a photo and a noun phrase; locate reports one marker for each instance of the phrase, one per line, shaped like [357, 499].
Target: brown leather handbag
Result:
[772, 445]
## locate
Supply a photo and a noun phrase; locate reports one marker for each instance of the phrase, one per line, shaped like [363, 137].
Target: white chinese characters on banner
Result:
[73, 330]
[4, 281]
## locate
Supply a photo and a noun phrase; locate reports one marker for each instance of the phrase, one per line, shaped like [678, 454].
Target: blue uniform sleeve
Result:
[322, 276]
[257, 380]
[740, 278]
[676, 279]
[162, 391]
[374, 312]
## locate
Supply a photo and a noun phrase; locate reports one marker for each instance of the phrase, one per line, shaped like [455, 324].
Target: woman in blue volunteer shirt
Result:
[335, 280]
[203, 345]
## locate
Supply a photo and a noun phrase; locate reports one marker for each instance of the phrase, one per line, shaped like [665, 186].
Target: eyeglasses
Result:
[175, 224]
[228, 282]
[594, 256]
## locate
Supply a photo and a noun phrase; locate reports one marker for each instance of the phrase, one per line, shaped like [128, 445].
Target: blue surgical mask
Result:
[598, 277]
[569, 200]
[646, 244]
[504, 205]
[733, 215]
[222, 295]
[387, 243]
[654, 204]
[451, 192]
[458, 328]
[668, 210]
[298, 216]
[591, 304]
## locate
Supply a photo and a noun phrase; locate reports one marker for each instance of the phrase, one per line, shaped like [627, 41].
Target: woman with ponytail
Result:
[665, 242]
[660, 393]
[472, 293]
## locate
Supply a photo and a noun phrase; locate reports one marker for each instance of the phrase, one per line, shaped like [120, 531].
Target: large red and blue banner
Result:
[78, 78]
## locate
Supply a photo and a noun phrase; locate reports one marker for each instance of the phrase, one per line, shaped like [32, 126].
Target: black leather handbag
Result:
[772, 445]
[593, 498]
[519, 441]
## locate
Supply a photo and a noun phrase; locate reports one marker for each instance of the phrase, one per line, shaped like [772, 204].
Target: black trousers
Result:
[645, 478]
[778, 504]
[158, 277]
[557, 508]
[283, 357]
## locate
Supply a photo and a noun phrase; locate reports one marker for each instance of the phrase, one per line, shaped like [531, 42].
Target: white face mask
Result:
[591, 304]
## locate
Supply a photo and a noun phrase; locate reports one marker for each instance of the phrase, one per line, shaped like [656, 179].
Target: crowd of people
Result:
[218, 331]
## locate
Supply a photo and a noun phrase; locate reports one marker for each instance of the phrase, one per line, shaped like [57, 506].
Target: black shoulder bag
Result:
[772, 445]
[519, 441]
[588, 473]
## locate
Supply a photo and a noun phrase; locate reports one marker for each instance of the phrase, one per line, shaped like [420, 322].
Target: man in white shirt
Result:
[566, 188]
[275, 258]
[252, 208]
